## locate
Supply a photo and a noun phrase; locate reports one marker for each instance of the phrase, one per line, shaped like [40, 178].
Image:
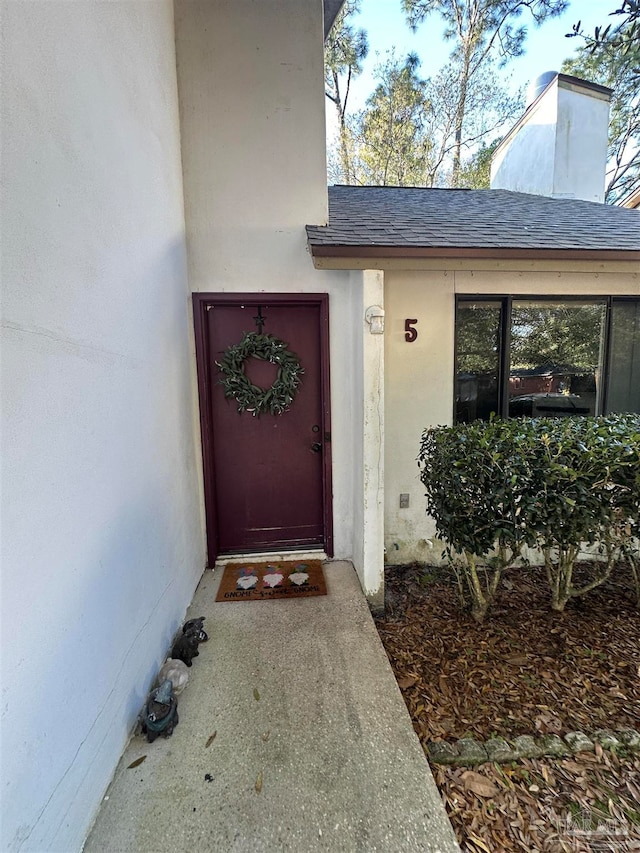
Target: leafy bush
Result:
[622, 536]
[476, 487]
[555, 484]
[584, 495]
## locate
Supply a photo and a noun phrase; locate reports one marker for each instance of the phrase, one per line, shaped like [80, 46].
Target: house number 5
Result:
[410, 333]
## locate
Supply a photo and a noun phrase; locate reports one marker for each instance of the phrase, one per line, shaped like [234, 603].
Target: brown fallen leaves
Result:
[577, 804]
[478, 784]
[525, 671]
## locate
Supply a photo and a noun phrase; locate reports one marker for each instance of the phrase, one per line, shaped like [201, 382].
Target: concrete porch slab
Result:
[329, 738]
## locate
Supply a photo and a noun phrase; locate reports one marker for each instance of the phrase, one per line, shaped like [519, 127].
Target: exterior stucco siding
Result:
[419, 376]
[253, 148]
[102, 535]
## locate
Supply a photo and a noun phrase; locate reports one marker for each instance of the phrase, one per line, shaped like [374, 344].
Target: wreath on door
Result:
[249, 397]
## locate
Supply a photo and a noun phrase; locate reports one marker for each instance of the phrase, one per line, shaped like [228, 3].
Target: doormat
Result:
[260, 581]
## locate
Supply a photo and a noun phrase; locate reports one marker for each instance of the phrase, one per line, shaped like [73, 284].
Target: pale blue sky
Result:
[546, 46]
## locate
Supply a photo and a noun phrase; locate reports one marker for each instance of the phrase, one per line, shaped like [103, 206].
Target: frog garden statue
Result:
[160, 715]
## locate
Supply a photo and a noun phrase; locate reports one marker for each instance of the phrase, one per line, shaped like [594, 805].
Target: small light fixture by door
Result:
[374, 315]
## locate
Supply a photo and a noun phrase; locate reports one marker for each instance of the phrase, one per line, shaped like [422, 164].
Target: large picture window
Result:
[546, 357]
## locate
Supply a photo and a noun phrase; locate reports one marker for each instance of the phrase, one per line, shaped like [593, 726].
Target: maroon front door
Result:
[267, 478]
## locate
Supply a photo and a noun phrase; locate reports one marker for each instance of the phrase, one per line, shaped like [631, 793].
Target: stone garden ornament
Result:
[160, 715]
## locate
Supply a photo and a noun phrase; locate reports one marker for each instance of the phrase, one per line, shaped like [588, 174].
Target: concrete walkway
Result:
[324, 760]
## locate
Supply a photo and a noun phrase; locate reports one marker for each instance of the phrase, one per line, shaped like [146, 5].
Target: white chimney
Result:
[559, 146]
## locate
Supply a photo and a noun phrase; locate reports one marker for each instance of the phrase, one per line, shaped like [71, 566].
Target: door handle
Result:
[316, 447]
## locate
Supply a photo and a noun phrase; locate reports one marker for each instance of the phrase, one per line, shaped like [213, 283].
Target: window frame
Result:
[505, 302]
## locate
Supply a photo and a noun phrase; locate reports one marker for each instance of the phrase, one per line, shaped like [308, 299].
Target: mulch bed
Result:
[526, 670]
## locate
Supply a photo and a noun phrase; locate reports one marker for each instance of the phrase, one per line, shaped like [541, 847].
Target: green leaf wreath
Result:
[250, 398]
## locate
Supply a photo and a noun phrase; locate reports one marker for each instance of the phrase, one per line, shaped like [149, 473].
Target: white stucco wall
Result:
[560, 147]
[367, 461]
[102, 543]
[250, 78]
[419, 376]
[524, 161]
[581, 144]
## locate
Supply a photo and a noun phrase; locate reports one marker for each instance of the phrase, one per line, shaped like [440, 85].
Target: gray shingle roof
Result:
[406, 218]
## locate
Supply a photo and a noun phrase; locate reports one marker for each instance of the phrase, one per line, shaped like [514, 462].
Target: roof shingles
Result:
[397, 217]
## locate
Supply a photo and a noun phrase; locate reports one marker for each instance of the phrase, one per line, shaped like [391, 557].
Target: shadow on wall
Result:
[105, 539]
[72, 702]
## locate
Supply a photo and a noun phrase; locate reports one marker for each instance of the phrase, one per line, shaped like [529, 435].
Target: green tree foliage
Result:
[478, 339]
[555, 334]
[475, 174]
[345, 49]
[612, 58]
[622, 34]
[390, 133]
[480, 30]
[405, 134]
[541, 333]
[488, 106]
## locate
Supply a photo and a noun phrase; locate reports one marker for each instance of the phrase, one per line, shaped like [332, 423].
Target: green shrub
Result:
[554, 484]
[476, 487]
[583, 495]
[622, 535]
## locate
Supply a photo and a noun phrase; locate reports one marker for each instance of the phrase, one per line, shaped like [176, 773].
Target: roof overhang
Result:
[331, 9]
[416, 252]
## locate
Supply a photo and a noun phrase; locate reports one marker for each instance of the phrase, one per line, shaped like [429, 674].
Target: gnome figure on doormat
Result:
[247, 578]
[300, 577]
[273, 577]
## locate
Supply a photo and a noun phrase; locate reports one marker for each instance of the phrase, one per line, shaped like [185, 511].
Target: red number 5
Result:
[410, 333]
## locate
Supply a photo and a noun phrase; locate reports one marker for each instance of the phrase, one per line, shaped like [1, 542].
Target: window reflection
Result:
[546, 357]
[478, 335]
[555, 356]
[624, 383]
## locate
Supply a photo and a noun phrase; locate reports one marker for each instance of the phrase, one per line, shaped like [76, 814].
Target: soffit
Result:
[331, 9]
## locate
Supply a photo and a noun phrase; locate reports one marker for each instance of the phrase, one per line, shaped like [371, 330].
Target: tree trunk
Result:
[562, 573]
[345, 160]
[480, 601]
[459, 120]
[341, 109]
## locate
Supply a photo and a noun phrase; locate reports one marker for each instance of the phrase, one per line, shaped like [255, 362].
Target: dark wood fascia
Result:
[584, 84]
[471, 252]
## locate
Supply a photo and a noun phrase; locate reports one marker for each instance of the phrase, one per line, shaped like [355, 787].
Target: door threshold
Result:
[265, 557]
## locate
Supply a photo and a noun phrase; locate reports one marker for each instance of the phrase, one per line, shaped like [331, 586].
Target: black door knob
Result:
[316, 447]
